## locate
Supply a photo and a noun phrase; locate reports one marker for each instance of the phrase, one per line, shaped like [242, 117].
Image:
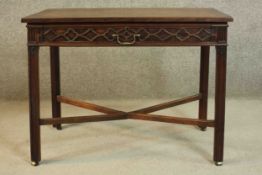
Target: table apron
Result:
[127, 34]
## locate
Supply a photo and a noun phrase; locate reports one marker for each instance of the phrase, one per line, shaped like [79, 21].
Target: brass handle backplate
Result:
[135, 36]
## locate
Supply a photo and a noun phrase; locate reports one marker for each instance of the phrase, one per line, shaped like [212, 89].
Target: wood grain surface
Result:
[128, 15]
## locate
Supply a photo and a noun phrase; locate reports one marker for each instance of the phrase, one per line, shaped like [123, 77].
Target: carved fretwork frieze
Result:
[129, 34]
[126, 34]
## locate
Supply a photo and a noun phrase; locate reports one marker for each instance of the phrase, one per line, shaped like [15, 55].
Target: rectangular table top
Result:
[78, 15]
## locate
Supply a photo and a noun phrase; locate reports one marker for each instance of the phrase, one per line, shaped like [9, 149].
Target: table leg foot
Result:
[203, 128]
[33, 163]
[217, 163]
[58, 127]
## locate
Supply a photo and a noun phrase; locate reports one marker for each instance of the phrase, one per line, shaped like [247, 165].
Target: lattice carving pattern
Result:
[127, 34]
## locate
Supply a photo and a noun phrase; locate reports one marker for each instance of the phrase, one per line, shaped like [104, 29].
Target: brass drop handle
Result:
[135, 36]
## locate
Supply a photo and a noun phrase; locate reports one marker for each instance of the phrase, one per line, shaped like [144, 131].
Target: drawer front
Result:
[127, 35]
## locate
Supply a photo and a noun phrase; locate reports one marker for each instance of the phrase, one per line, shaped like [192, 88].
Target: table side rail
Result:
[127, 34]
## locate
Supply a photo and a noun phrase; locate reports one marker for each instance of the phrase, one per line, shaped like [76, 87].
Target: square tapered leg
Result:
[220, 94]
[203, 84]
[34, 104]
[55, 83]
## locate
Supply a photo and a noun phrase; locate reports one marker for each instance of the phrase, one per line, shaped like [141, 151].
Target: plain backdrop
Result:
[127, 79]
[131, 73]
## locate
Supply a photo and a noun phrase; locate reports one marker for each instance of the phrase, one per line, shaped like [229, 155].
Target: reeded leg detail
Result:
[34, 103]
[203, 84]
[55, 83]
[220, 93]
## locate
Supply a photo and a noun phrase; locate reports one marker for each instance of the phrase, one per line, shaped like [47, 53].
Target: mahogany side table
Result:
[120, 27]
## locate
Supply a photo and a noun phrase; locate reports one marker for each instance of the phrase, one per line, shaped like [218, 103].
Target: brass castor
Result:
[218, 163]
[34, 163]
